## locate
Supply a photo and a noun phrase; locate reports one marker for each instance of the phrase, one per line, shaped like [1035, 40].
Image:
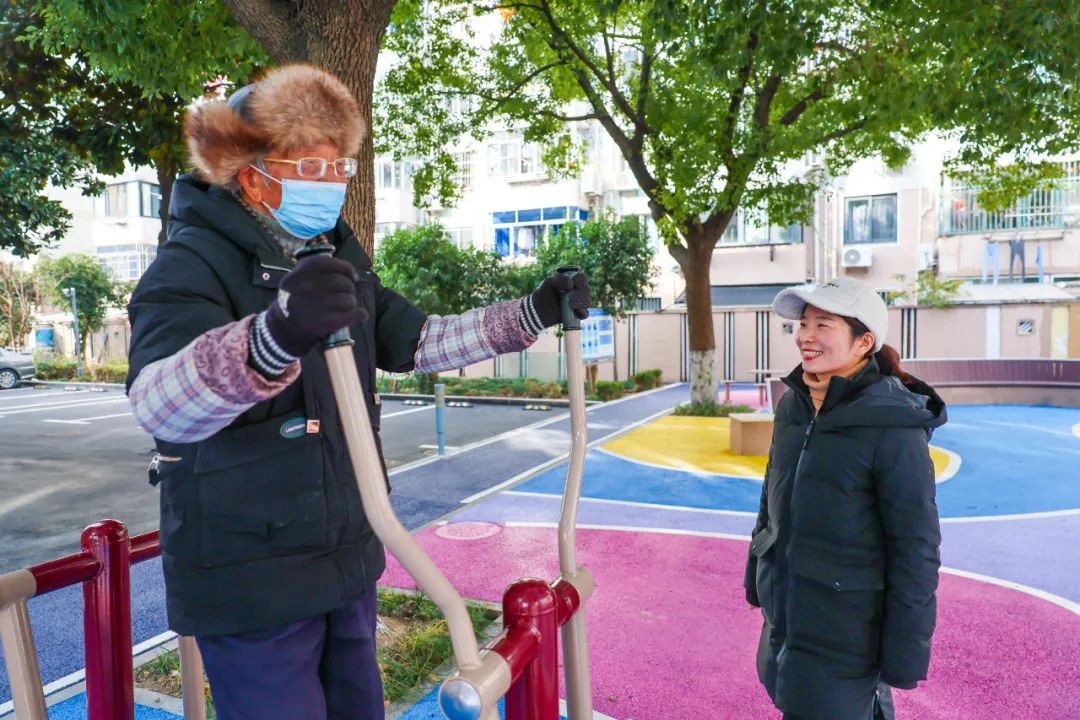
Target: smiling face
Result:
[826, 344]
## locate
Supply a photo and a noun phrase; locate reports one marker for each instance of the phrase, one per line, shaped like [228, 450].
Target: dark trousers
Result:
[323, 667]
[883, 706]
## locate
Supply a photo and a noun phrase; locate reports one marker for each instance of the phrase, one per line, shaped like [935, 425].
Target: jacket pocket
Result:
[835, 609]
[260, 493]
[837, 575]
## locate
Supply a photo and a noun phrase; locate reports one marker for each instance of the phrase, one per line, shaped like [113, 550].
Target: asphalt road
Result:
[70, 457]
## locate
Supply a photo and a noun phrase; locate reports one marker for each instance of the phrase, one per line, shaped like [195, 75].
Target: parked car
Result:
[15, 367]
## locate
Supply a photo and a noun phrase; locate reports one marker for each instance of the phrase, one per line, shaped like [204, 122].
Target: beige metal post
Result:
[20, 656]
[365, 458]
[191, 679]
[575, 643]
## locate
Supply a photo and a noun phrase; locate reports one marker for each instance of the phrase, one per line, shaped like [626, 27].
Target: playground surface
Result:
[664, 522]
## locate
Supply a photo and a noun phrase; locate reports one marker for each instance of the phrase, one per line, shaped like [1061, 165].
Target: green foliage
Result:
[936, 292]
[424, 265]
[616, 254]
[50, 366]
[95, 291]
[18, 297]
[609, 390]
[97, 87]
[425, 646]
[710, 409]
[647, 379]
[714, 105]
[162, 47]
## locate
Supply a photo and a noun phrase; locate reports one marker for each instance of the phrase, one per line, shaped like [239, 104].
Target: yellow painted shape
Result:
[941, 460]
[692, 444]
[702, 445]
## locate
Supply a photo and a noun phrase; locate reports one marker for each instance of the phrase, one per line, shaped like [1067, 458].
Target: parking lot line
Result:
[406, 412]
[33, 394]
[87, 421]
[74, 402]
[53, 406]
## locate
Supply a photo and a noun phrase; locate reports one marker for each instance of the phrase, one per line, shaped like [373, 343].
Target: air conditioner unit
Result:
[625, 181]
[590, 184]
[856, 256]
[926, 256]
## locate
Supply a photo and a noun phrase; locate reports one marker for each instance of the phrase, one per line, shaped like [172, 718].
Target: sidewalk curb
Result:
[75, 384]
[487, 399]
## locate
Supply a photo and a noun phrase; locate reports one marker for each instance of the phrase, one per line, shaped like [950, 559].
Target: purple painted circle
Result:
[468, 530]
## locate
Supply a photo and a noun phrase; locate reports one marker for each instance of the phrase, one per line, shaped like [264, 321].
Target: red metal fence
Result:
[103, 567]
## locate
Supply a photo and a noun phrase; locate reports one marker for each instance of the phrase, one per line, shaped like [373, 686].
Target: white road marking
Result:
[51, 408]
[30, 498]
[6, 396]
[87, 421]
[406, 412]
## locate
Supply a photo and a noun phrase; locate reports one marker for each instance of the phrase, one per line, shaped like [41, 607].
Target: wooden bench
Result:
[751, 433]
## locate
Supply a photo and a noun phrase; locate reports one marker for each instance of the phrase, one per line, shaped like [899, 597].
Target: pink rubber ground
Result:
[671, 637]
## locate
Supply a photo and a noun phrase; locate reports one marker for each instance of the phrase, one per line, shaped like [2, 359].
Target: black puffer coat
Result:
[844, 557]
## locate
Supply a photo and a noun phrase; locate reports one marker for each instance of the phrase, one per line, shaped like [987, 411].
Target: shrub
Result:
[647, 379]
[113, 372]
[608, 390]
[53, 367]
[710, 409]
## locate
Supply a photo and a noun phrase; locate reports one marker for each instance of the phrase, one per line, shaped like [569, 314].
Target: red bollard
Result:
[110, 693]
[532, 604]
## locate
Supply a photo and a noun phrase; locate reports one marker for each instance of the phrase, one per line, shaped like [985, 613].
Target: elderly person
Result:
[269, 560]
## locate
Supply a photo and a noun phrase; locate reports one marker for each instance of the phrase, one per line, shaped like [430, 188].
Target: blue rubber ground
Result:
[75, 709]
[1013, 461]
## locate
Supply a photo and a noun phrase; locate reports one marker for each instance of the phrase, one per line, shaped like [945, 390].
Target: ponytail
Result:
[888, 360]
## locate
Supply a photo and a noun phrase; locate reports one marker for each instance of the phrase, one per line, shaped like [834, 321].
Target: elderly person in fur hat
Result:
[269, 560]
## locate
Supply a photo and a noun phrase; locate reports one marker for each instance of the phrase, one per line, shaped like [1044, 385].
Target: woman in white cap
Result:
[844, 557]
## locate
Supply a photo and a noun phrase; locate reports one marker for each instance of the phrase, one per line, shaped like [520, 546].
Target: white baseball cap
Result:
[840, 296]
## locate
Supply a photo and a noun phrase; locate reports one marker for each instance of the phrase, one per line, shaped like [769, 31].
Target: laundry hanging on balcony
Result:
[991, 259]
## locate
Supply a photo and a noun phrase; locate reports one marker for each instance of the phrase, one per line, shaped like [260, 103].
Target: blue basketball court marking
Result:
[1016, 460]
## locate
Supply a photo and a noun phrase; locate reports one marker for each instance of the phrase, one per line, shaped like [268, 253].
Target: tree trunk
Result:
[166, 176]
[695, 261]
[342, 38]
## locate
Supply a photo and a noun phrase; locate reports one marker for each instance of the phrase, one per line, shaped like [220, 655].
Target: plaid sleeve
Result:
[191, 395]
[454, 341]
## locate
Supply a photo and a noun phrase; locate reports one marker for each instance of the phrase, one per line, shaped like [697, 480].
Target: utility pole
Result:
[70, 292]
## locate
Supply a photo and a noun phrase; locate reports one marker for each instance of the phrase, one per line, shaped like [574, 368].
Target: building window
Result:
[116, 200]
[464, 169]
[870, 220]
[743, 230]
[126, 262]
[512, 158]
[388, 175]
[1025, 327]
[519, 233]
[149, 200]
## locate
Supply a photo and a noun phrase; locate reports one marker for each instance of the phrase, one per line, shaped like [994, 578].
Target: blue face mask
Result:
[308, 207]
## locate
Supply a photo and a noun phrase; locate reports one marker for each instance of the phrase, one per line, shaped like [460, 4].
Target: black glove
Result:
[543, 307]
[317, 298]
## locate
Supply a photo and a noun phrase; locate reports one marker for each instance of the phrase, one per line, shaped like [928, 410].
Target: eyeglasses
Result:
[315, 167]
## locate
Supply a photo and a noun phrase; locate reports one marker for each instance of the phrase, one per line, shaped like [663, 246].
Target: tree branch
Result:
[800, 107]
[764, 101]
[837, 134]
[739, 94]
[620, 100]
[270, 23]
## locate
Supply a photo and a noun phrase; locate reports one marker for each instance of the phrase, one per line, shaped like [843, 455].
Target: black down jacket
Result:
[844, 557]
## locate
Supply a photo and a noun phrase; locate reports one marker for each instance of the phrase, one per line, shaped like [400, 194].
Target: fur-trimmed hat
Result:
[293, 106]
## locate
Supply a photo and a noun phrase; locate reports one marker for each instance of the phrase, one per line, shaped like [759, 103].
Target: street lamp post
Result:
[70, 292]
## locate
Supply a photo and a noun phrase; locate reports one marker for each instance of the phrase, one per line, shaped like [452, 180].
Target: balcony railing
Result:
[1052, 207]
